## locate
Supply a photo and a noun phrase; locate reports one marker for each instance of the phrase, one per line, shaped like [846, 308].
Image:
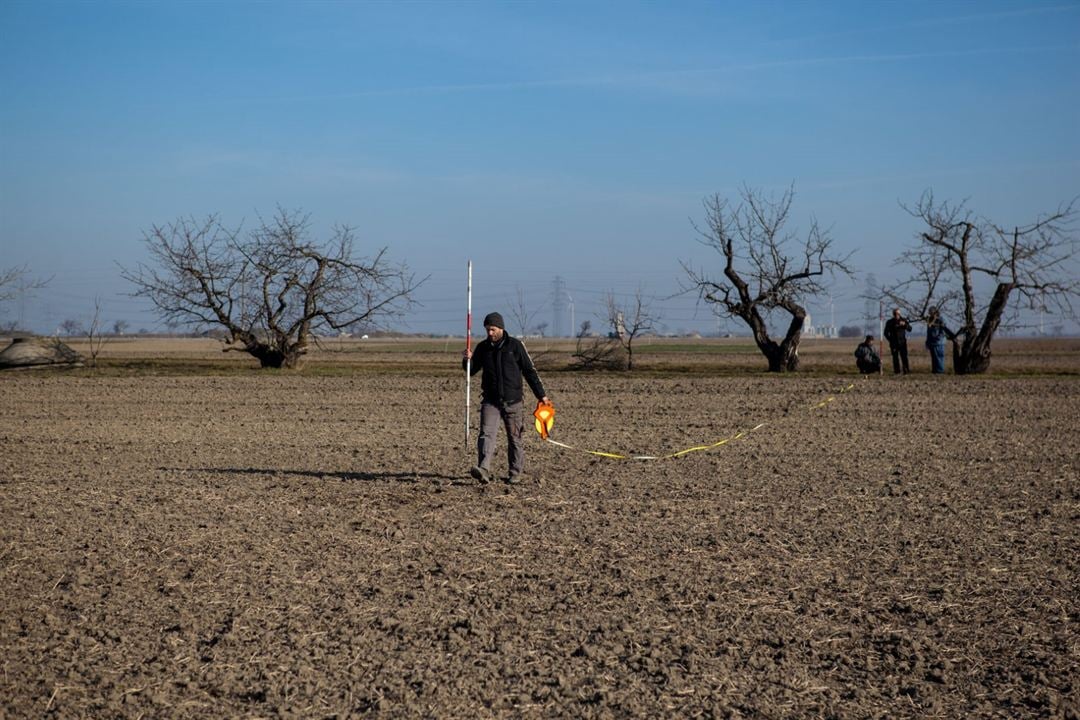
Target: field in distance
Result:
[1012, 356]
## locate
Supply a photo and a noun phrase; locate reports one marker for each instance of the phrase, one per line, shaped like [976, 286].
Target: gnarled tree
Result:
[272, 289]
[767, 269]
[958, 255]
[629, 321]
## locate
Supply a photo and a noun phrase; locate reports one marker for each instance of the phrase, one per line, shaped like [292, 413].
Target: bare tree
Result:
[120, 327]
[15, 282]
[95, 334]
[629, 321]
[520, 312]
[598, 353]
[761, 276]
[93, 331]
[272, 289]
[71, 327]
[957, 252]
[9, 278]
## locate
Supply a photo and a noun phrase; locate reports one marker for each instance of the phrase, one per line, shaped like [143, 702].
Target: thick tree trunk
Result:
[267, 356]
[276, 355]
[973, 355]
[782, 356]
[772, 354]
[790, 347]
[791, 357]
[293, 361]
[768, 347]
[972, 362]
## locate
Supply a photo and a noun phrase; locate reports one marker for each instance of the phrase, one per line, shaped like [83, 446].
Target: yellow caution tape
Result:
[687, 451]
[679, 453]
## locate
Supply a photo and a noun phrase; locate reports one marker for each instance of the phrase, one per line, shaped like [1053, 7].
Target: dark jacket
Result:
[505, 364]
[866, 358]
[896, 331]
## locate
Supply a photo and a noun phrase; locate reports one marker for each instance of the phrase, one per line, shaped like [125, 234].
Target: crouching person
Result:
[866, 357]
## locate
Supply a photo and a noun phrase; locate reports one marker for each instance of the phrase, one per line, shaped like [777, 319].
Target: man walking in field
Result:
[505, 362]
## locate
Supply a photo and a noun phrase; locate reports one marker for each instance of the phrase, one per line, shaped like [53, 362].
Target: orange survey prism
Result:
[545, 418]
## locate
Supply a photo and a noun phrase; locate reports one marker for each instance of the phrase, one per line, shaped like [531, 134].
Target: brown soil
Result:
[275, 545]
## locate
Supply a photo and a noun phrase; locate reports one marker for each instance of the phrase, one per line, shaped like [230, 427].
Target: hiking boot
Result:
[514, 479]
[480, 473]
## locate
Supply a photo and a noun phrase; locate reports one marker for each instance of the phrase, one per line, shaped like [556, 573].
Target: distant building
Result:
[809, 330]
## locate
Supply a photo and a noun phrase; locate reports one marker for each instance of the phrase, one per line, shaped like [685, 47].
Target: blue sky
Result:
[571, 139]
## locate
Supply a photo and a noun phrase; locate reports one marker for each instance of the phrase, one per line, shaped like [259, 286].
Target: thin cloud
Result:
[637, 79]
[1004, 170]
[935, 22]
[836, 60]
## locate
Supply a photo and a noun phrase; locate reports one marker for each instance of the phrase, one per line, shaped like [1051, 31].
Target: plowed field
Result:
[297, 545]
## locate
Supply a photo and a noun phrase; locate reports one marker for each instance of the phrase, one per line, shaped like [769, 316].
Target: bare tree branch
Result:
[520, 311]
[271, 290]
[958, 248]
[763, 271]
[16, 283]
[95, 335]
[628, 322]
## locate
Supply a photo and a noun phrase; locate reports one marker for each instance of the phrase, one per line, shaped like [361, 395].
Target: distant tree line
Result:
[273, 290]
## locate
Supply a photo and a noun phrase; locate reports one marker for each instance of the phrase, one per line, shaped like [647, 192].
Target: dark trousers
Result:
[899, 357]
[512, 418]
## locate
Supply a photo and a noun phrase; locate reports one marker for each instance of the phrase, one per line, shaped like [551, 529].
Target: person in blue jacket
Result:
[936, 333]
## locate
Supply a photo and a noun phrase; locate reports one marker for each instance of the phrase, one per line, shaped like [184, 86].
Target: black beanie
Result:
[494, 320]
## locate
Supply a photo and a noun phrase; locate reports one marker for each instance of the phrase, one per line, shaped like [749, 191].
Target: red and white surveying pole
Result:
[881, 335]
[468, 347]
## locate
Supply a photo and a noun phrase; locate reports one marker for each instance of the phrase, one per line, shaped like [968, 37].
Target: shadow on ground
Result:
[344, 476]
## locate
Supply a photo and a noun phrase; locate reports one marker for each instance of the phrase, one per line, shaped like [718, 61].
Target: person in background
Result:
[936, 332]
[866, 357]
[504, 361]
[896, 329]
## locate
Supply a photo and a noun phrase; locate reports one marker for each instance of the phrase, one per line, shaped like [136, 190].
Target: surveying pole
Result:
[881, 335]
[468, 347]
